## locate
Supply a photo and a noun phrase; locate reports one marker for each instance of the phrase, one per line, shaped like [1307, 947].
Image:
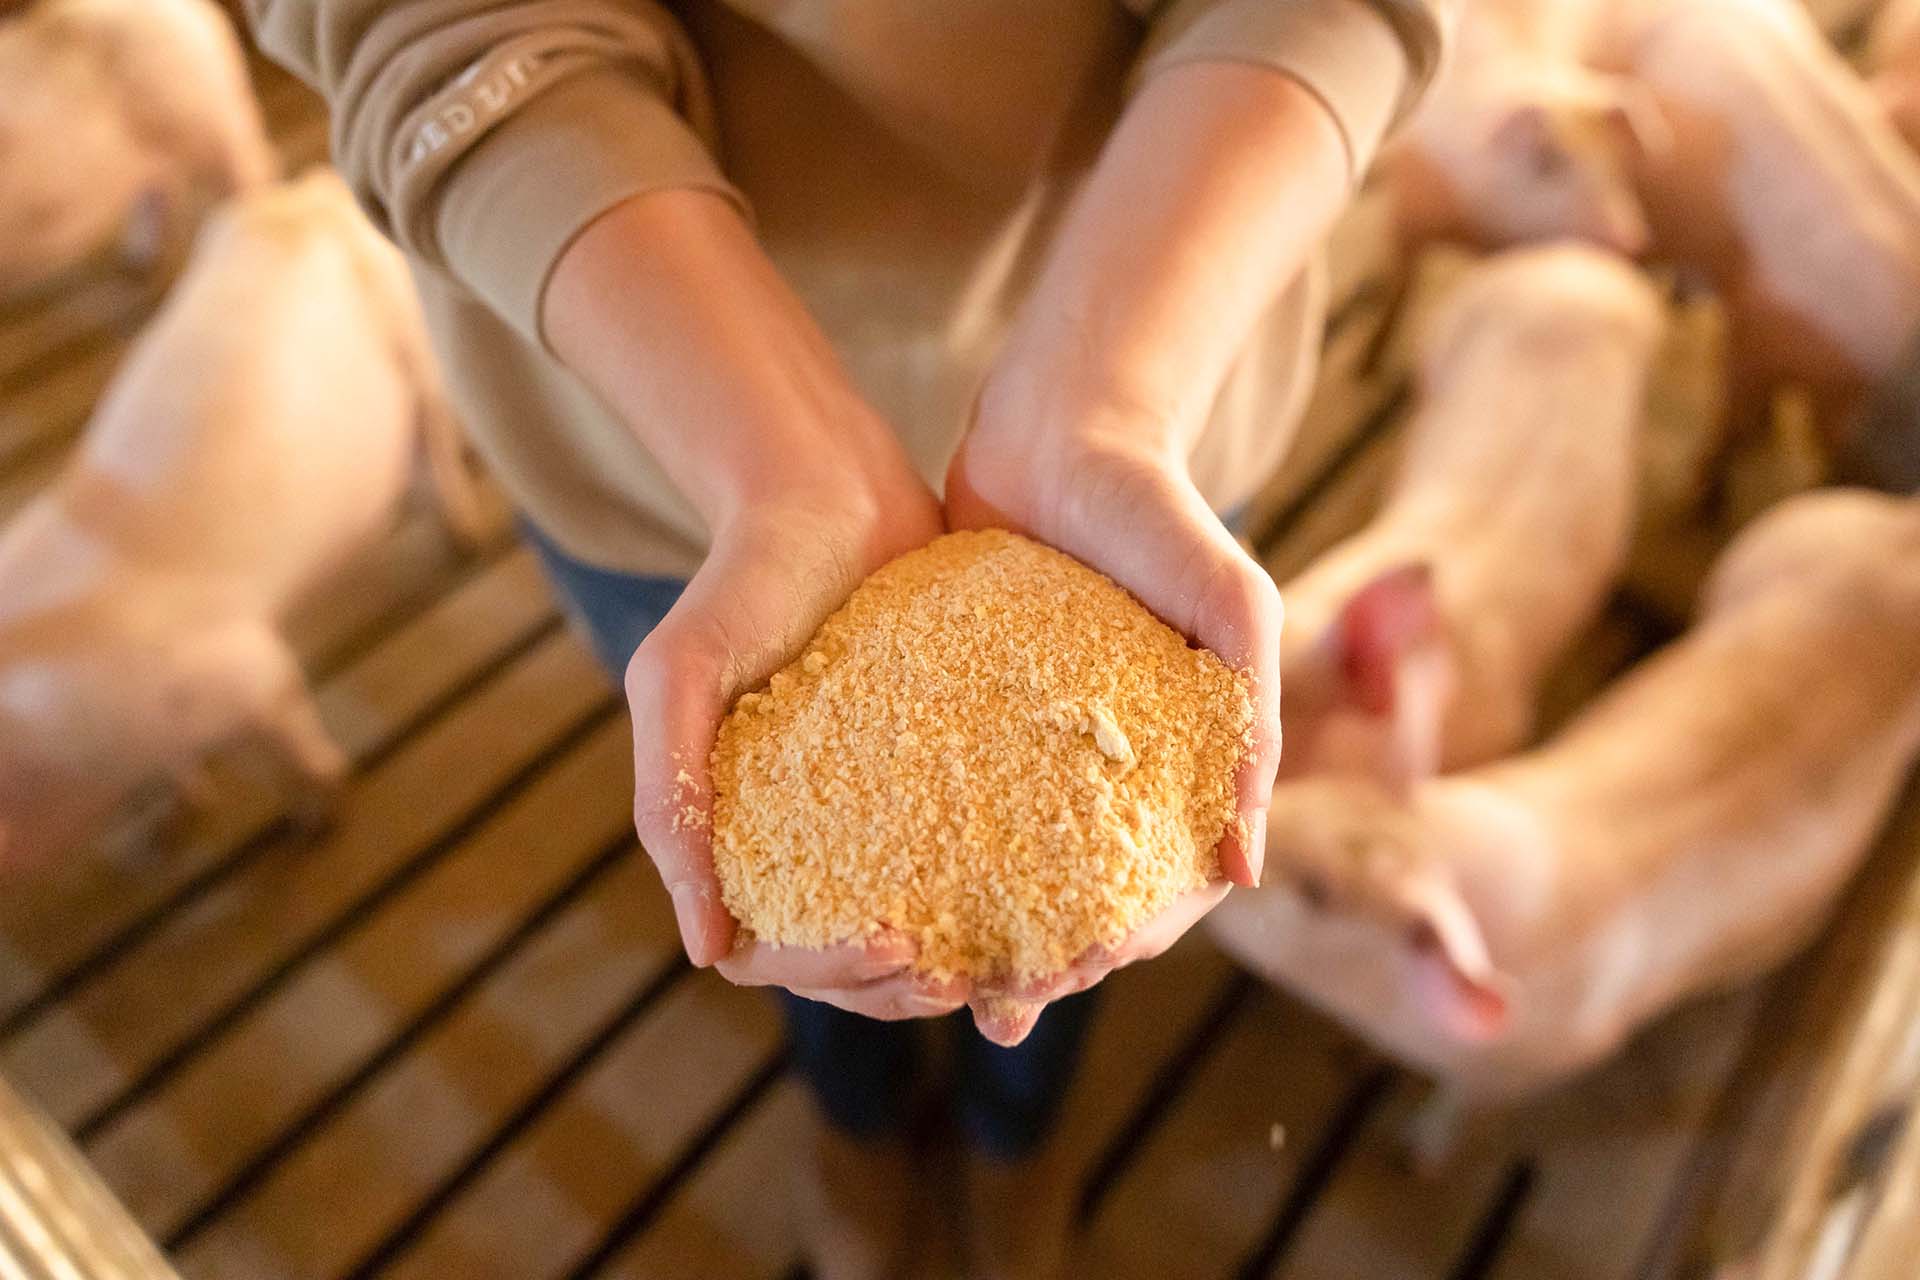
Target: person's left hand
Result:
[1112, 490]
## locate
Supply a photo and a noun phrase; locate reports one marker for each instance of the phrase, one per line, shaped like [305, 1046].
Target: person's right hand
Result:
[668, 309]
[770, 580]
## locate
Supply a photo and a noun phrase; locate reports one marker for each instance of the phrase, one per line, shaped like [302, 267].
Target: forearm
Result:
[1206, 203]
[667, 307]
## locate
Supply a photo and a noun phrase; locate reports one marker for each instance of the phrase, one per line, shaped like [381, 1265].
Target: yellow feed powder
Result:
[990, 748]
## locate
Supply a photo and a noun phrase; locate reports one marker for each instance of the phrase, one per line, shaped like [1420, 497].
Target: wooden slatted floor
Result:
[453, 1035]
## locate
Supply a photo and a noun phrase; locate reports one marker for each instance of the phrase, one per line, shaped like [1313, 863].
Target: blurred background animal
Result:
[1783, 186]
[1506, 927]
[264, 427]
[119, 121]
[1418, 643]
[1522, 140]
[1893, 62]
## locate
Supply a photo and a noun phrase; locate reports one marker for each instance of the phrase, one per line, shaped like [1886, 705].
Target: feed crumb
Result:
[1008, 759]
[1276, 1137]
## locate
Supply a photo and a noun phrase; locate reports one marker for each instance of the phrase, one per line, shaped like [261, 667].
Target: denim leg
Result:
[614, 610]
[1006, 1101]
[862, 1071]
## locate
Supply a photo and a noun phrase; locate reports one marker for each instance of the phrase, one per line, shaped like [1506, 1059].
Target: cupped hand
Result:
[1114, 493]
[773, 575]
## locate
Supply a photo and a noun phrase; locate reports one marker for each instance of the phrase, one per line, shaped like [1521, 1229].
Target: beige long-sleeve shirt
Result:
[903, 161]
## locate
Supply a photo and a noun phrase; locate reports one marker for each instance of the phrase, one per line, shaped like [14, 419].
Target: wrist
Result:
[1058, 421]
[668, 309]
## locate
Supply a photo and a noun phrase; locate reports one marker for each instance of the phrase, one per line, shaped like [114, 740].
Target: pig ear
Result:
[1454, 978]
[1395, 667]
[1636, 113]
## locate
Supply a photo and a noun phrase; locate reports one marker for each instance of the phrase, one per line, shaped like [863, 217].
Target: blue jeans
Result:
[865, 1074]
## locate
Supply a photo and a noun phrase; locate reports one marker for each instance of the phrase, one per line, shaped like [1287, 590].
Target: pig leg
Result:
[255, 685]
[456, 488]
[292, 726]
[450, 476]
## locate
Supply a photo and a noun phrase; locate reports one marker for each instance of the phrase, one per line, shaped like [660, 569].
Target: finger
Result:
[1006, 1022]
[894, 999]
[1046, 988]
[1148, 942]
[766, 964]
[1160, 933]
[752, 605]
[672, 693]
[1241, 618]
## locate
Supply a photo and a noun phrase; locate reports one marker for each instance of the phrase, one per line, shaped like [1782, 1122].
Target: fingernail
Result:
[690, 913]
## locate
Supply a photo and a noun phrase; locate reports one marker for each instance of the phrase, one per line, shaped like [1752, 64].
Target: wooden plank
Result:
[35, 334]
[1363, 253]
[1600, 1155]
[48, 412]
[198, 1132]
[1347, 401]
[723, 1224]
[1210, 1180]
[1378, 1219]
[56, 1219]
[431, 1117]
[52, 923]
[1342, 509]
[1828, 1074]
[733, 1218]
[606, 1143]
[156, 995]
[1149, 1013]
[1609, 1151]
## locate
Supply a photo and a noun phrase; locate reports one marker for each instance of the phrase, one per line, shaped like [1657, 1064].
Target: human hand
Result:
[667, 307]
[1111, 489]
[771, 579]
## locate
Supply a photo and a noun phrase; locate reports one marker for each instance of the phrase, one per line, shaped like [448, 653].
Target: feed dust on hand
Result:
[990, 748]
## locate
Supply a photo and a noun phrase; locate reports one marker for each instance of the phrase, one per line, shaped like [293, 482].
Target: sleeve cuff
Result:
[512, 204]
[1344, 52]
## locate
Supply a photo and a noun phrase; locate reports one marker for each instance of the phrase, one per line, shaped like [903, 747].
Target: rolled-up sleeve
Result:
[1368, 61]
[484, 136]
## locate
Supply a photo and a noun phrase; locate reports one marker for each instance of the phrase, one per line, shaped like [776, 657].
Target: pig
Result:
[1417, 644]
[119, 119]
[1893, 63]
[1506, 927]
[262, 429]
[1520, 139]
[1783, 186]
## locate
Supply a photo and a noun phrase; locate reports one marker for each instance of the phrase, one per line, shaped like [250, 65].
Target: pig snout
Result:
[1348, 848]
[1372, 694]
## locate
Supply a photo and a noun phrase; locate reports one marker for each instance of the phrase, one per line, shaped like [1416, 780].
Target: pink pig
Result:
[263, 428]
[1417, 644]
[115, 117]
[1783, 184]
[1520, 140]
[1893, 59]
[1507, 927]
